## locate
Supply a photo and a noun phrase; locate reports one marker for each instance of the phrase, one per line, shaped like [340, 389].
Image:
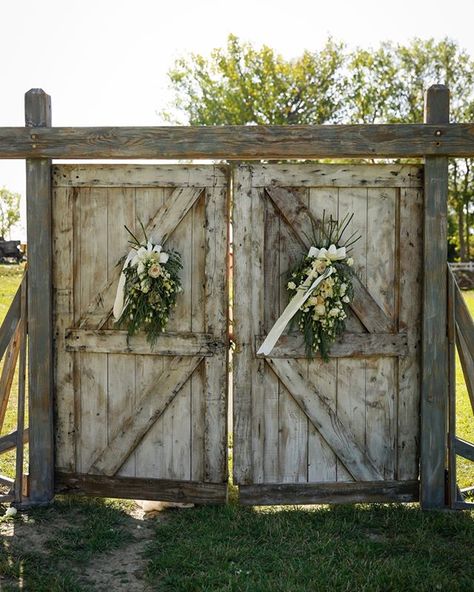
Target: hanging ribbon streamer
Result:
[119, 303]
[304, 292]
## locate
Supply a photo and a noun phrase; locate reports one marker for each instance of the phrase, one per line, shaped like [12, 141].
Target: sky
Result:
[105, 62]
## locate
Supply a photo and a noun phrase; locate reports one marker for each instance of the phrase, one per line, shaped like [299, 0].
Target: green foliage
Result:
[240, 84]
[9, 211]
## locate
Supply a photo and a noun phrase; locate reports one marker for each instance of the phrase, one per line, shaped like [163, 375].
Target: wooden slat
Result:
[20, 419]
[465, 340]
[150, 408]
[297, 215]
[159, 227]
[467, 364]
[243, 334]
[329, 493]
[8, 373]
[8, 441]
[337, 175]
[215, 322]
[40, 334]
[10, 322]
[434, 351]
[349, 345]
[118, 342]
[122, 175]
[452, 477]
[139, 488]
[325, 420]
[240, 142]
[464, 448]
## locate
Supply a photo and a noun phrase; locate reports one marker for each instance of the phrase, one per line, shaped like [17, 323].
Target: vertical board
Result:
[107, 384]
[278, 441]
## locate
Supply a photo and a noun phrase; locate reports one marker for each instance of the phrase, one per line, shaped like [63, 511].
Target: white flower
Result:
[345, 299]
[350, 262]
[155, 270]
[291, 286]
[145, 286]
[11, 511]
[320, 309]
[164, 257]
[334, 312]
[320, 265]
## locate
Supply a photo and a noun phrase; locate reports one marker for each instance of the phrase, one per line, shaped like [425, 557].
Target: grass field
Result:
[93, 545]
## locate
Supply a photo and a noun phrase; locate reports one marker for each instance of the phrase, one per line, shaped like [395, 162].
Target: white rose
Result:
[334, 312]
[343, 289]
[320, 309]
[345, 299]
[320, 265]
[155, 270]
[291, 286]
[350, 262]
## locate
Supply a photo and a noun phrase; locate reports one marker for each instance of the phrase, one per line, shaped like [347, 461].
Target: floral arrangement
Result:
[148, 287]
[321, 316]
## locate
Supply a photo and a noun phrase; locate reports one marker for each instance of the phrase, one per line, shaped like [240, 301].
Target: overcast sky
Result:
[104, 62]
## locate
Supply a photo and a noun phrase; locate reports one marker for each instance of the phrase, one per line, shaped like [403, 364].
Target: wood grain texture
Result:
[21, 401]
[329, 493]
[464, 448]
[140, 488]
[9, 441]
[451, 319]
[10, 322]
[240, 142]
[434, 352]
[40, 334]
[336, 434]
[135, 425]
[348, 345]
[8, 373]
[119, 342]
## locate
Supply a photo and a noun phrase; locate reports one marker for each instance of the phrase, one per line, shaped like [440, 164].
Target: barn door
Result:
[306, 431]
[132, 422]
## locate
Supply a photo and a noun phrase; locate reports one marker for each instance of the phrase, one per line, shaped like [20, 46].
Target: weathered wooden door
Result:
[132, 422]
[347, 430]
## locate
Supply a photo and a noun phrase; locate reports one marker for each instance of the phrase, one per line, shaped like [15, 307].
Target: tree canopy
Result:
[243, 85]
[9, 211]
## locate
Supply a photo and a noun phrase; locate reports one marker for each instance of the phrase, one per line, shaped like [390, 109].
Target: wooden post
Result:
[435, 343]
[40, 349]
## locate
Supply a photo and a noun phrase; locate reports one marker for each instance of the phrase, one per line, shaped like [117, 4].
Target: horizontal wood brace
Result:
[240, 142]
[9, 441]
[4, 480]
[118, 342]
[141, 488]
[464, 448]
[350, 345]
[329, 493]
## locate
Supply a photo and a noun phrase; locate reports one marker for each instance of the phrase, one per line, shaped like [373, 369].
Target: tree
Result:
[243, 85]
[9, 211]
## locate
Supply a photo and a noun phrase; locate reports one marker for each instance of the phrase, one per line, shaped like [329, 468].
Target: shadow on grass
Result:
[345, 548]
[49, 549]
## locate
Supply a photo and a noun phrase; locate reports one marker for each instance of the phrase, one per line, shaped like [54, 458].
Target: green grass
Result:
[345, 548]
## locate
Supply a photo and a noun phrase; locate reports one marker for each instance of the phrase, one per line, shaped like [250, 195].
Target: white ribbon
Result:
[119, 303]
[304, 292]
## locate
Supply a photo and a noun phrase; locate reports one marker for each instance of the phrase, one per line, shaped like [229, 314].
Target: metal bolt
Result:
[438, 132]
[33, 145]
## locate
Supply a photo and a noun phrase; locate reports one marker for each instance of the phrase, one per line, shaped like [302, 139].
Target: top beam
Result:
[240, 142]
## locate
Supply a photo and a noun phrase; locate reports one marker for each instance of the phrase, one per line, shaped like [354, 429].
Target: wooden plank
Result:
[464, 319]
[409, 321]
[10, 322]
[40, 334]
[141, 488]
[160, 227]
[8, 441]
[144, 176]
[348, 345]
[329, 493]
[20, 413]
[243, 325]
[8, 481]
[215, 322]
[467, 364]
[64, 211]
[118, 342]
[328, 176]
[297, 215]
[434, 351]
[325, 420]
[452, 477]
[240, 142]
[131, 431]
[464, 448]
[8, 373]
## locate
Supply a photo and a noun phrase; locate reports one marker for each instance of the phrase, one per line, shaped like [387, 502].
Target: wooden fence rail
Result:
[13, 332]
[460, 335]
